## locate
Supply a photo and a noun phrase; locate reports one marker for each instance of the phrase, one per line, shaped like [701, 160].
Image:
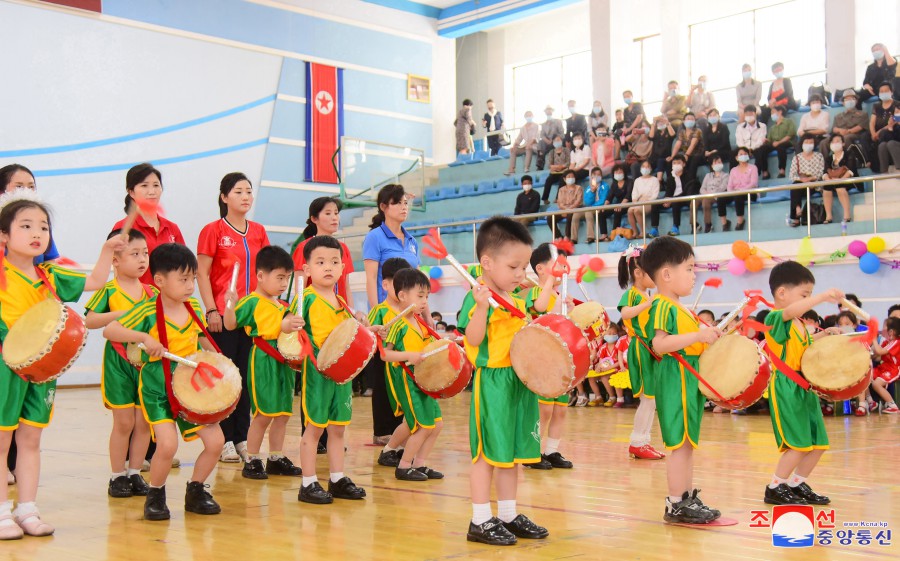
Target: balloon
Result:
[805, 253]
[736, 267]
[589, 276]
[584, 259]
[876, 244]
[754, 263]
[869, 263]
[740, 249]
[436, 273]
[596, 264]
[435, 285]
[857, 248]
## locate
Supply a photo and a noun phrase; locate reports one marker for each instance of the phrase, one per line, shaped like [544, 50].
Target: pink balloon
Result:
[737, 267]
[857, 248]
[584, 259]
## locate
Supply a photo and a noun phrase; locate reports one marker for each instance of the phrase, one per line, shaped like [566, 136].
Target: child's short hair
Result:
[848, 315]
[789, 274]
[440, 323]
[812, 315]
[497, 231]
[273, 258]
[678, 158]
[828, 321]
[169, 257]
[133, 235]
[853, 298]
[406, 279]
[540, 255]
[710, 312]
[894, 308]
[320, 241]
[663, 251]
[392, 266]
[892, 324]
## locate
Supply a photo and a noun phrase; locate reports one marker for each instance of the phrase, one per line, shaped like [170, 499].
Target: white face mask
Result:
[572, 109]
[885, 96]
[811, 329]
[645, 171]
[808, 147]
[837, 147]
[750, 119]
[577, 142]
[597, 110]
[743, 158]
[570, 181]
[815, 106]
[676, 168]
[850, 103]
[718, 166]
[526, 187]
[878, 54]
[618, 176]
[846, 328]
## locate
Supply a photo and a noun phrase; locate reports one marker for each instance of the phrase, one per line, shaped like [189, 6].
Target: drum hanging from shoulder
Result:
[738, 369]
[346, 351]
[590, 317]
[133, 354]
[44, 342]
[205, 400]
[445, 373]
[837, 367]
[290, 348]
[550, 355]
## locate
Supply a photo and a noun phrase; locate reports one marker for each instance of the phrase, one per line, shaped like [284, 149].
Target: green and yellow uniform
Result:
[641, 364]
[419, 409]
[271, 382]
[380, 315]
[530, 298]
[324, 401]
[678, 398]
[21, 401]
[796, 416]
[504, 423]
[118, 377]
[183, 340]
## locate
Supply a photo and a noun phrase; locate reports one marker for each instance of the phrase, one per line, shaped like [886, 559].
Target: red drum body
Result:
[590, 317]
[45, 342]
[738, 369]
[444, 374]
[550, 355]
[837, 367]
[346, 351]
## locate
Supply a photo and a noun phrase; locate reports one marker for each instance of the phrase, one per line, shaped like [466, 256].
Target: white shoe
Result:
[229, 454]
[241, 450]
[581, 401]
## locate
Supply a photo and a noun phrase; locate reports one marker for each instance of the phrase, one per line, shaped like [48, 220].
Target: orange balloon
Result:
[741, 249]
[754, 263]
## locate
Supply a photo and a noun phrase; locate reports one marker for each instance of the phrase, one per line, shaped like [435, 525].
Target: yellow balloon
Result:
[876, 244]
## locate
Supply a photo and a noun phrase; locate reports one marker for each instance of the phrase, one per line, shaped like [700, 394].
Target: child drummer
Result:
[174, 269]
[796, 415]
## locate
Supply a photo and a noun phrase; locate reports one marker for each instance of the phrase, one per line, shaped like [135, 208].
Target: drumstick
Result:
[402, 314]
[437, 250]
[204, 369]
[733, 314]
[584, 292]
[144, 205]
[433, 352]
[860, 313]
[233, 285]
[714, 282]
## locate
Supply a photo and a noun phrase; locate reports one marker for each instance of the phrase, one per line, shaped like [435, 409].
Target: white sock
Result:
[6, 509]
[25, 508]
[620, 399]
[591, 397]
[387, 449]
[776, 481]
[132, 471]
[506, 510]
[674, 500]
[796, 480]
[117, 474]
[307, 481]
[481, 513]
[552, 446]
[275, 455]
[643, 422]
[337, 476]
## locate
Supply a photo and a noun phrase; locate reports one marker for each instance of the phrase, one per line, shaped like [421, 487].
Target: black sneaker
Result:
[708, 228]
[409, 474]
[687, 511]
[556, 460]
[806, 493]
[315, 494]
[695, 495]
[139, 487]
[155, 504]
[321, 449]
[492, 532]
[254, 470]
[727, 226]
[346, 489]
[283, 466]
[432, 474]
[543, 464]
[198, 500]
[522, 527]
[120, 487]
[390, 458]
[782, 495]
[740, 226]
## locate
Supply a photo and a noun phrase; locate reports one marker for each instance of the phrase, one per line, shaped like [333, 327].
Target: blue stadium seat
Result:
[433, 194]
[466, 190]
[729, 117]
[479, 156]
[504, 153]
[486, 187]
[540, 177]
[461, 159]
[506, 184]
[495, 157]
[448, 193]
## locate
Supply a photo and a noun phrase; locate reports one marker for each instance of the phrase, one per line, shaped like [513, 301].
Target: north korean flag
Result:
[324, 121]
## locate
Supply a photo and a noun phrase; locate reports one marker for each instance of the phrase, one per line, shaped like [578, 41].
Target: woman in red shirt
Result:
[324, 219]
[229, 240]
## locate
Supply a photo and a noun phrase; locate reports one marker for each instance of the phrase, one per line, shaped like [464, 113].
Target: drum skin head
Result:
[289, 345]
[337, 343]
[29, 336]
[436, 372]
[729, 365]
[835, 363]
[542, 362]
[224, 392]
[590, 316]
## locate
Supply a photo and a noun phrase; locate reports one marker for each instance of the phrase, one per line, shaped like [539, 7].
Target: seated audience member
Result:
[751, 134]
[743, 176]
[839, 164]
[676, 186]
[595, 195]
[716, 181]
[749, 91]
[596, 119]
[640, 148]
[816, 122]
[525, 141]
[528, 201]
[883, 69]
[631, 111]
[569, 197]
[619, 193]
[851, 124]
[689, 145]
[781, 92]
[549, 130]
[806, 166]
[781, 136]
[644, 189]
[700, 100]
[603, 150]
[576, 124]
[557, 163]
[716, 138]
[673, 106]
[580, 157]
[617, 127]
[884, 127]
[663, 134]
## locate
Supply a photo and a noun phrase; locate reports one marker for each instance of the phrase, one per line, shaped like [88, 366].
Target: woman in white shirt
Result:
[715, 181]
[645, 189]
[816, 122]
[580, 158]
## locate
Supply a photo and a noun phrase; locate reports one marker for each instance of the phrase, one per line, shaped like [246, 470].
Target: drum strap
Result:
[119, 347]
[649, 350]
[428, 328]
[43, 276]
[166, 363]
[687, 366]
[267, 348]
[782, 367]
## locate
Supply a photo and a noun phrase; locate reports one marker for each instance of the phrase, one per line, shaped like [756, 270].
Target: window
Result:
[554, 81]
[653, 79]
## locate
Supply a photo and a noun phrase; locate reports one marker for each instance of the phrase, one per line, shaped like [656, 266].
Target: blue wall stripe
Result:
[137, 135]
[493, 20]
[408, 6]
[156, 162]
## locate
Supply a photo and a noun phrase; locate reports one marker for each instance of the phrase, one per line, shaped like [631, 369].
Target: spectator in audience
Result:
[838, 165]
[851, 124]
[580, 158]
[816, 122]
[603, 150]
[673, 106]
[781, 136]
[640, 148]
[689, 145]
[527, 141]
[894, 311]
[806, 166]
[884, 128]
[716, 138]
[883, 69]
[619, 193]
[751, 134]
[631, 111]
[781, 92]
[663, 134]
[676, 186]
[528, 201]
[619, 124]
[549, 130]
[594, 196]
[853, 299]
[595, 119]
[645, 189]
[575, 124]
[743, 176]
[716, 181]
[492, 122]
[569, 197]
[557, 163]
[700, 100]
[465, 128]
[749, 91]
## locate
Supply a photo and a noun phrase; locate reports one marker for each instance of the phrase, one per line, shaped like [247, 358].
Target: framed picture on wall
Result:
[418, 88]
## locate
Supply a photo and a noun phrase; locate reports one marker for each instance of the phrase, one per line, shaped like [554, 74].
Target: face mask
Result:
[776, 116]
[676, 168]
[549, 114]
[743, 158]
[807, 147]
[718, 167]
[646, 130]
[610, 338]
[557, 144]
[618, 176]
[577, 142]
[850, 103]
[645, 171]
[746, 74]
[879, 54]
[602, 132]
[597, 110]
[572, 109]
[673, 92]
[713, 120]
[815, 106]
[778, 74]
[702, 84]
[529, 119]
[441, 332]
[526, 187]
[570, 181]
[837, 147]
[749, 119]
[811, 329]
[689, 124]
[847, 328]
[627, 100]
[885, 96]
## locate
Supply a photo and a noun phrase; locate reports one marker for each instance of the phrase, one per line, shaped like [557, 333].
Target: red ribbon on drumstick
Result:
[871, 323]
[714, 282]
[145, 206]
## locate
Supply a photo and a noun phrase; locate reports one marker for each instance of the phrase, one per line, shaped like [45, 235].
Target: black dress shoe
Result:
[139, 487]
[556, 460]
[806, 493]
[343, 488]
[254, 470]
[543, 464]
[321, 449]
[120, 487]
[522, 527]
[155, 504]
[409, 474]
[283, 466]
[492, 532]
[708, 228]
[198, 500]
[740, 226]
[727, 226]
[782, 495]
[432, 474]
[390, 458]
[315, 494]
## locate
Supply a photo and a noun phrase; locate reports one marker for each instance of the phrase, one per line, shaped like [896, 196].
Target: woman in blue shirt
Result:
[387, 238]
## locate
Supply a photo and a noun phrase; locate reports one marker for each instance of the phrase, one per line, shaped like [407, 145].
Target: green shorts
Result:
[155, 402]
[271, 386]
[678, 402]
[504, 421]
[562, 400]
[324, 401]
[24, 402]
[796, 416]
[641, 366]
[419, 409]
[118, 380]
[394, 376]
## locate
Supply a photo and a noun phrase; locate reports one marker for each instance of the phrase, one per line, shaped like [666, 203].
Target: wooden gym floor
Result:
[608, 507]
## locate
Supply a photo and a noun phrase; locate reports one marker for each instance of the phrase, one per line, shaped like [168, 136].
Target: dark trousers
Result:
[798, 198]
[761, 158]
[383, 420]
[739, 202]
[494, 144]
[552, 179]
[782, 150]
[690, 171]
[676, 214]
[236, 345]
[561, 219]
[617, 220]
